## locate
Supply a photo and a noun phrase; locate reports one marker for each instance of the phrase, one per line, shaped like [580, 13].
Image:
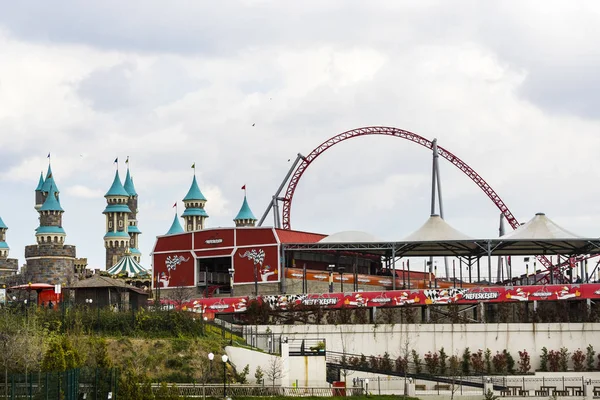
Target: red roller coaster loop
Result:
[400, 133]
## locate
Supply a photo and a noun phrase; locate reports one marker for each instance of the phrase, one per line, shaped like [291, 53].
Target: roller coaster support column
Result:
[274, 203]
[393, 267]
[435, 181]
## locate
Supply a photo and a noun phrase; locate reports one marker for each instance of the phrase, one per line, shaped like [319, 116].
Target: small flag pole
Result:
[194, 167]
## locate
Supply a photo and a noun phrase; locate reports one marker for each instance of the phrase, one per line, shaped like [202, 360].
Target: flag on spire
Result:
[244, 187]
[175, 205]
[194, 165]
[48, 155]
[127, 161]
[116, 160]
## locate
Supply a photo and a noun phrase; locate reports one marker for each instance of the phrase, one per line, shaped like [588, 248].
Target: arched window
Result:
[120, 223]
[109, 224]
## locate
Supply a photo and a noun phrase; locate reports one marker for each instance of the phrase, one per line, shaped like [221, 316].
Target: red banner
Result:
[399, 298]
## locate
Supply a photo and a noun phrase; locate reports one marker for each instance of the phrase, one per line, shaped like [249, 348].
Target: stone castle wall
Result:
[50, 263]
[8, 267]
[114, 254]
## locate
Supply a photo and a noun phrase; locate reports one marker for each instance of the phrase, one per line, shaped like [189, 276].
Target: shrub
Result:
[477, 362]
[453, 365]
[578, 360]
[259, 375]
[363, 361]
[553, 360]
[443, 364]
[416, 361]
[386, 362]
[563, 359]
[499, 362]
[544, 360]
[590, 357]
[432, 362]
[402, 364]
[510, 362]
[524, 362]
[488, 361]
[374, 362]
[466, 361]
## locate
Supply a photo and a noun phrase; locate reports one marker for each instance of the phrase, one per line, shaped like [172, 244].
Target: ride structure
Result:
[301, 164]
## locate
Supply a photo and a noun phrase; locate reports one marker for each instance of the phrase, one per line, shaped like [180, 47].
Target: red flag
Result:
[175, 205]
[244, 187]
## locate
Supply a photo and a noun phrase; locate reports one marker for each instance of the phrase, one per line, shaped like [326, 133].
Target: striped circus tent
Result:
[127, 265]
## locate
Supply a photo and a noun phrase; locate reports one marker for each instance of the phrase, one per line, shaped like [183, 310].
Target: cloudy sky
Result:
[510, 87]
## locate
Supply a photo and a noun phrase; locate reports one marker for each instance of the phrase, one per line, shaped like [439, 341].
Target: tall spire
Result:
[128, 185]
[175, 226]
[116, 188]
[40, 183]
[245, 217]
[49, 181]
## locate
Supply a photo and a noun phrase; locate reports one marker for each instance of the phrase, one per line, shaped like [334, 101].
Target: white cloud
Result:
[186, 86]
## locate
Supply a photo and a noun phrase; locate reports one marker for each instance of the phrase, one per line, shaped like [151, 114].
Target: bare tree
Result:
[345, 341]
[274, 369]
[181, 295]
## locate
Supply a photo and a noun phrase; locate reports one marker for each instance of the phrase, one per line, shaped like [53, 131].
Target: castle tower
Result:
[194, 214]
[132, 228]
[116, 239]
[8, 266]
[245, 217]
[175, 226]
[50, 260]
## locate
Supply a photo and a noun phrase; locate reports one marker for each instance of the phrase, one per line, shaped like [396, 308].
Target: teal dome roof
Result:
[128, 186]
[49, 182]
[195, 212]
[245, 212]
[175, 227]
[40, 183]
[2, 224]
[51, 203]
[3, 245]
[117, 188]
[133, 250]
[116, 208]
[116, 235]
[133, 229]
[49, 229]
[194, 193]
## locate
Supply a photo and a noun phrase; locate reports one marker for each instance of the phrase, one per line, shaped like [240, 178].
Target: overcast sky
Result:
[511, 87]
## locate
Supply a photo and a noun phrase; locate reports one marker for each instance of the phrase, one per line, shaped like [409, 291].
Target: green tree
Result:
[466, 361]
[54, 358]
[101, 353]
[72, 355]
[259, 375]
[243, 376]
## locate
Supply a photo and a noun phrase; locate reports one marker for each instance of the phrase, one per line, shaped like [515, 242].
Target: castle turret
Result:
[194, 213]
[50, 260]
[132, 203]
[245, 217]
[175, 226]
[8, 266]
[117, 211]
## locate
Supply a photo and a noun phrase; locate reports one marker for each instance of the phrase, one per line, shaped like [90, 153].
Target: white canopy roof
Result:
[435, 229]
[540, 227]
[349, 236]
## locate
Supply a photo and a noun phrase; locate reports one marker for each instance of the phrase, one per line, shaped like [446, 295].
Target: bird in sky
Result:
[253, 124]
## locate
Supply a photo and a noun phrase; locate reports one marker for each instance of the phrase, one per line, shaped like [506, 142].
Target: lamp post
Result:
[330, 268]
[211, 356]
[231, 273]
[367, 386]
[224, 358]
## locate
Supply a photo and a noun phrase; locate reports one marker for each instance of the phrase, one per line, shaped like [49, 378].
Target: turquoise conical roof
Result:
[194, 193]
[2, 224]
[49, 182]
[175, 226]
[40, 183]
[128, 186]
[51, 203]
[245, 212]
[117, 188]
